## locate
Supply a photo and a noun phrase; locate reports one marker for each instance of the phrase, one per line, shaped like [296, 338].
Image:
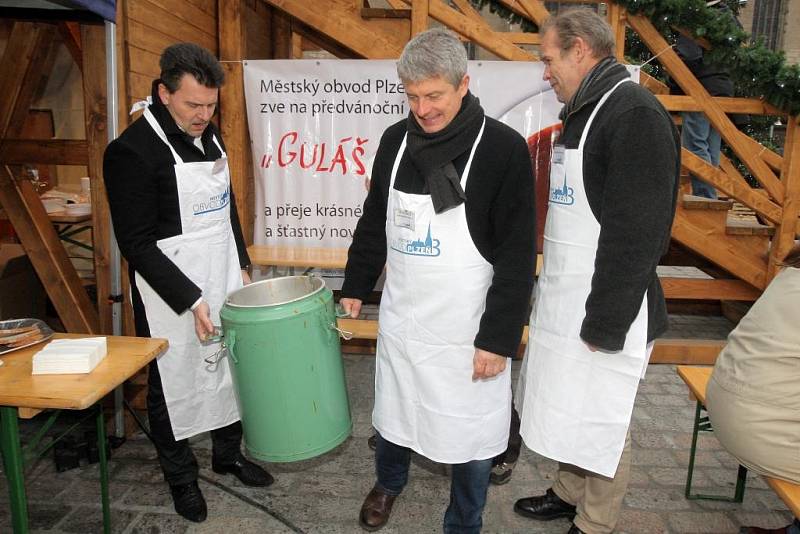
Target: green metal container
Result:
[286, 361]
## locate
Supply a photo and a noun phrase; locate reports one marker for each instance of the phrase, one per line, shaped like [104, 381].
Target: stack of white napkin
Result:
[69, 356]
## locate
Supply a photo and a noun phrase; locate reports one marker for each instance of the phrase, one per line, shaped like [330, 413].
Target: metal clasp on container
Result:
[343, 333]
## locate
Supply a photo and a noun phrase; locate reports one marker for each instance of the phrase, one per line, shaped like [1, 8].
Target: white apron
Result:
[199, 396]
[432, 302]
[575, 404]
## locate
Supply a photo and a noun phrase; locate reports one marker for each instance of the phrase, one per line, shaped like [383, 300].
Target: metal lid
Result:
[275, 291]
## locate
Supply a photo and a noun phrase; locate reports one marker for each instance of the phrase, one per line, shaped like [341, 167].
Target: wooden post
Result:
[93, 49]
[281, 35]
[18, 56]
[233, 116]
[297, 46]
[47, 254]
[616, 17]
[783, 240]
[419, 16]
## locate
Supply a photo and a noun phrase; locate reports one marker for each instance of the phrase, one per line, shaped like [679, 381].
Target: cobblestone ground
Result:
[323, 495]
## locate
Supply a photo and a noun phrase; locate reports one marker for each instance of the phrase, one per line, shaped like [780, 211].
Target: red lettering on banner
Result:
[314, 155]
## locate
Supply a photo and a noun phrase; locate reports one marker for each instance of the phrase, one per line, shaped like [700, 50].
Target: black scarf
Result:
[594, 85]
[433, 153]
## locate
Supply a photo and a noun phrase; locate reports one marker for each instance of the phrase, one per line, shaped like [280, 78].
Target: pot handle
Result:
[230, 341]
[217, 336]
[340, 311]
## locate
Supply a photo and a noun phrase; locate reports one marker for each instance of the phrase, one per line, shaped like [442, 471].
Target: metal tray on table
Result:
[37, 332]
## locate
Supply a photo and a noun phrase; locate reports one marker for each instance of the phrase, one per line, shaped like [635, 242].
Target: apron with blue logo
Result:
[431, 306]
[575, 404]
[199, 396]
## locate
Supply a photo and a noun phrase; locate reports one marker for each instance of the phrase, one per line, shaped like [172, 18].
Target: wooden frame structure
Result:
[743, 262]
[263, 29]
[26, 63]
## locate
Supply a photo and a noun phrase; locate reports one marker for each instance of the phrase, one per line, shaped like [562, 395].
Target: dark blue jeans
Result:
[468, 485]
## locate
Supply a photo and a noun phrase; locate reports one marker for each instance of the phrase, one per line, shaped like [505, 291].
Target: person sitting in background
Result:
[753, 397]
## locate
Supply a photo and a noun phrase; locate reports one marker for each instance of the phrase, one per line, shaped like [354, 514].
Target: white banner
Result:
[315, 126]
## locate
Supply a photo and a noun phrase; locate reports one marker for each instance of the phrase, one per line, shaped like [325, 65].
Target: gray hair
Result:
[433, 53]
[584, 23]
[189, 58]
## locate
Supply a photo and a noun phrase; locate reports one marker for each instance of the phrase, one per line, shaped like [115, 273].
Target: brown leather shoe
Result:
[376, 510]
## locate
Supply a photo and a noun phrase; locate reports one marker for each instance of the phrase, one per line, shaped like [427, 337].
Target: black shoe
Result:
[189, 502]
[544, 507]
[372, 441]
[249, 473]
[575, 530]
[501, 473]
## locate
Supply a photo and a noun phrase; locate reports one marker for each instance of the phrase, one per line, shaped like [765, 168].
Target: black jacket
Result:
[500, 217]
[143, 198]
[631, 172]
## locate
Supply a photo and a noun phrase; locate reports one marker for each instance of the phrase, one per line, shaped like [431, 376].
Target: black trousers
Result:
[176, 458]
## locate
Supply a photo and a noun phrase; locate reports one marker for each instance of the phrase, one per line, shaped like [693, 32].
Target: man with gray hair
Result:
[450, 214]
[599, 305]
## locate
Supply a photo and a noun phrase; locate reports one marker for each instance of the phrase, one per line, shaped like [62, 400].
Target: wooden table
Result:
[24, 395]
[67, 225]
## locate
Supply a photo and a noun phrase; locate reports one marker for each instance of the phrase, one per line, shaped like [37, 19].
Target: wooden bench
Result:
[696, 379]
[673, 351]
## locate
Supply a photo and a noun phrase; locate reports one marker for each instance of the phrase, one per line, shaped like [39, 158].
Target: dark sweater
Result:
[631, 168]
[500, 217]
[139, 174]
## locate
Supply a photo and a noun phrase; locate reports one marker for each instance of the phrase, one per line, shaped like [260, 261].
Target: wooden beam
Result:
[233, 118]
[753, 106]
[374, 38]
[616, 18]
[20, 51]
[71, 36]
[47, 254]
[692, 87]
[493, 41]
[698, 230]
[43, 151]
[785, 234]
[524, 38]
[419, 16]
[665, 350]
[731, 184]
[297, 45]
[686, 351]
[95, 115]
[380, 13]
[708, 289]
[322, 42]
[535, 9]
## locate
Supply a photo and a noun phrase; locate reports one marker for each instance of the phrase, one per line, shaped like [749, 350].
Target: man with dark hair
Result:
[450, 213]
[599, 304]
[175, 220]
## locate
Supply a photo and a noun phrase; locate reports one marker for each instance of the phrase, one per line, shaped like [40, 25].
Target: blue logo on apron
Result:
[418, 247]
[563, 195]
[215, 203]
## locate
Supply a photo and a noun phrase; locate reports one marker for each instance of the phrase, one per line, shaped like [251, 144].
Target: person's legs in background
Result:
[468, 488]
[699, 138]
[503, 464]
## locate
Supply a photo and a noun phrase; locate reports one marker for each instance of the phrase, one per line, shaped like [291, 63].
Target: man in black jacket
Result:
[175, 220]
[450, 213]
[599, 304]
